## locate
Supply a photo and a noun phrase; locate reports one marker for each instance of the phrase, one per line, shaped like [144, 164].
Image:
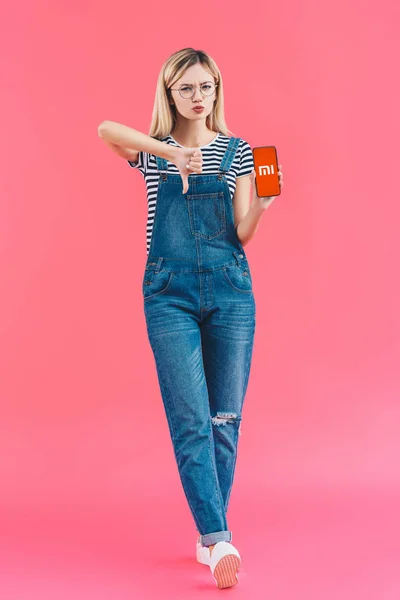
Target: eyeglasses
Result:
[188, 91]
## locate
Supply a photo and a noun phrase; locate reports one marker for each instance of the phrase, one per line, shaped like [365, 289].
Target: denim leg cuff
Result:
[218, 536]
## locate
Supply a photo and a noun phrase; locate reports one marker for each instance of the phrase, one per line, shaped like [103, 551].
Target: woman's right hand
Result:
[188, 160]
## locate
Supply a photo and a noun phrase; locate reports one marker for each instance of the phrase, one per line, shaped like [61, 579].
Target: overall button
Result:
[240, 255]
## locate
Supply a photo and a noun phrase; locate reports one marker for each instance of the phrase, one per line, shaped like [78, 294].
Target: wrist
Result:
[173, 152]
[257, 205]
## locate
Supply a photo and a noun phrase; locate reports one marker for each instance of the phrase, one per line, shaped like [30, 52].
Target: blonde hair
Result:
[164, 114]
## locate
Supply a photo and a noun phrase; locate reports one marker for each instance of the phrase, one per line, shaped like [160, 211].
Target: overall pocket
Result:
[207, 214]
[155, 283]
[239, 278]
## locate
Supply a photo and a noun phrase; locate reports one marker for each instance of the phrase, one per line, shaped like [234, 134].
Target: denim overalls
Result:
[200, 315]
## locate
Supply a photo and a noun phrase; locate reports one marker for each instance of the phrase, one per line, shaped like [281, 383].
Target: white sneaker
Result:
[202, 553]
[224, 563]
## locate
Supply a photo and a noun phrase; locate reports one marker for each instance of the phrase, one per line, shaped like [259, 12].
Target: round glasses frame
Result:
[194, 90]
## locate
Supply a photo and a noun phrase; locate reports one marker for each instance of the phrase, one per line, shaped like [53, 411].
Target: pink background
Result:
[91, 504]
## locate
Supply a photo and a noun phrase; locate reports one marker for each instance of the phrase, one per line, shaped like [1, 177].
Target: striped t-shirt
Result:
[212, 153]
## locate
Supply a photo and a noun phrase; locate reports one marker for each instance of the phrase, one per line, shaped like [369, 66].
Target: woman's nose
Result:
[197, 94]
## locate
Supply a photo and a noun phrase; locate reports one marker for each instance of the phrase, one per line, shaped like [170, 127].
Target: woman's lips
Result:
[198, 108]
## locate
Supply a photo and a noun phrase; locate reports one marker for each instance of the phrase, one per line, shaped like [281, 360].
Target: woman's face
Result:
[195, 75]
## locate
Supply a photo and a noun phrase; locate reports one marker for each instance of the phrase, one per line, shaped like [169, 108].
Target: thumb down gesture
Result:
[188, 160]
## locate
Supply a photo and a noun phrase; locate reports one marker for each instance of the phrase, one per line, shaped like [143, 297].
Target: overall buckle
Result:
[238, 257]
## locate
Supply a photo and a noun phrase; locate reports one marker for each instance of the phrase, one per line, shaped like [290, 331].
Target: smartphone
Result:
[266, 170]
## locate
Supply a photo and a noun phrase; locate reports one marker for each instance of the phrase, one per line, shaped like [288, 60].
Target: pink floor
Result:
[321, 543]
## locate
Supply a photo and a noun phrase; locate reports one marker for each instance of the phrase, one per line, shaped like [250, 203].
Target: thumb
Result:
[185, 183]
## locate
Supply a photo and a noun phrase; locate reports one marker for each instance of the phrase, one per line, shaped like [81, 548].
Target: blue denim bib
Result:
[195, 231]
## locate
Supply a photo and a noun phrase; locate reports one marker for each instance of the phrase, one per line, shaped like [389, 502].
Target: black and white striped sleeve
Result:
[142, 162]
[246, 159]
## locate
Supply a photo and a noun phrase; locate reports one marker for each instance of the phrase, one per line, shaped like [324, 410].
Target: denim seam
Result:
[216, 478]
[212, 269]
[164, 384]
[228, 495]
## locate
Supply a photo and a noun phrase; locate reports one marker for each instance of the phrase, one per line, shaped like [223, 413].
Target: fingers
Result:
[196, 168]
[196, 162]
[280, 174]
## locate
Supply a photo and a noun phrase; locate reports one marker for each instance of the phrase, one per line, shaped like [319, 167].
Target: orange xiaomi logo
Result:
[266, 170]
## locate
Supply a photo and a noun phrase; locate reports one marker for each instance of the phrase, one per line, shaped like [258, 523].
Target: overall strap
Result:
[228, 157]
[162, 165]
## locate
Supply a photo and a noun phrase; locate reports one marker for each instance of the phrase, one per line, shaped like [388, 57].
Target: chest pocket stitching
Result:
[207, 214]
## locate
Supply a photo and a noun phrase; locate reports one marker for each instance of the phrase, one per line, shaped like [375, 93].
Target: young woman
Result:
[197, 286]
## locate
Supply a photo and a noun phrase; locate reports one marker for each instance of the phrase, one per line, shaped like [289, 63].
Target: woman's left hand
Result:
[267, 200]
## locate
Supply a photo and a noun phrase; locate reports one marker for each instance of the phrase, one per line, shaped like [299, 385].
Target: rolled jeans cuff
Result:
[210, 539]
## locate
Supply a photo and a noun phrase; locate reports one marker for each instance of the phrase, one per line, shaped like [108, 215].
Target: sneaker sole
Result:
[225, 573]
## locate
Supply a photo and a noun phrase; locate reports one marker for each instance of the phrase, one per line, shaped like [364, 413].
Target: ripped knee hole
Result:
[222, 418]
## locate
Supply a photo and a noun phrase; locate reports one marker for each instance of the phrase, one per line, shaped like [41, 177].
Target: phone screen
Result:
[266, 170]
